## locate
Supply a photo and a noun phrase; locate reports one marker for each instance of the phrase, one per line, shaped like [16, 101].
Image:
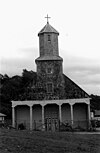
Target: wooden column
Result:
[43, 126]
[71, 105]
[30, 117]
[89, 116]
[13, 117]
[60, 114]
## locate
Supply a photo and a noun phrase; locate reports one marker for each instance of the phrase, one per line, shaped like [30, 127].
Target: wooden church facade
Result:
[56, 100]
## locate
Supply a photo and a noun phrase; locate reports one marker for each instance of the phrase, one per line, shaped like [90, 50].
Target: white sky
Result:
[78, 22]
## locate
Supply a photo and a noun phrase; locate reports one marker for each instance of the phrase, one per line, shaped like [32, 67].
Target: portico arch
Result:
[36, 116]
[80, 113]
[66, 113]
[22, 116]
[51, 117]
[51, 111]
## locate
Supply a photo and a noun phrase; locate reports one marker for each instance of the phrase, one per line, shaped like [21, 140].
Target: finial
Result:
[47, 18]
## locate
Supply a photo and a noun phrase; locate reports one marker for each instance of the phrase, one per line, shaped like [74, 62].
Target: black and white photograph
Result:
[50, 76]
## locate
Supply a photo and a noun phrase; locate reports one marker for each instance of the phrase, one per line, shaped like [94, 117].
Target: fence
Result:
[55, 125]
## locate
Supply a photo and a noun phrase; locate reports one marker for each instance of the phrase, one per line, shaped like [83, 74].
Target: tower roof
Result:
[49, 58]
[48, 29]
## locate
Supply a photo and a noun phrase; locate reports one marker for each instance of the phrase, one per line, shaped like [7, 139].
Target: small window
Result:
[49, 70]
[49, 38]
[49, 87]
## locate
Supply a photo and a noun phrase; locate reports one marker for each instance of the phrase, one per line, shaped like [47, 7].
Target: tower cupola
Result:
[48, 43]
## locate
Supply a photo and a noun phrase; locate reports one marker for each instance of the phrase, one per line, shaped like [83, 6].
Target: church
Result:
[56, 100]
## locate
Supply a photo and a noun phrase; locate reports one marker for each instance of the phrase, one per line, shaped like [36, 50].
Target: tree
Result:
[28, 77]
[95, 102]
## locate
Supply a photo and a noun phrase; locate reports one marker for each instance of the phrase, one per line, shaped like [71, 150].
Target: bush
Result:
[21, 126]
[97, 123]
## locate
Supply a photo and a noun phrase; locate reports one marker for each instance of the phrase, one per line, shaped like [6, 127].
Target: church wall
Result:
[56, 78]
[23, 116]
[66, 113]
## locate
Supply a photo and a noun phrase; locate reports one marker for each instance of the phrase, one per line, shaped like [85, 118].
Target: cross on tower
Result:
[47, 18]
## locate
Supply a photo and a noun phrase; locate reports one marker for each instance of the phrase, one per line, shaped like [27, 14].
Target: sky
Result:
[78, 22]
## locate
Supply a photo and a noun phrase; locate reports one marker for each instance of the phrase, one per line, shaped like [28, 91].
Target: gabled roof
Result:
[48, 29]
[73, 90]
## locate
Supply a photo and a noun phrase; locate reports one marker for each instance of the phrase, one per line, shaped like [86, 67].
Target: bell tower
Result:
[50, 81]
[48, 41]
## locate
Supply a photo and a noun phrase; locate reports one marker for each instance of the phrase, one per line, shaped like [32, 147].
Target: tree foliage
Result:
[14, 88]
[95, 102]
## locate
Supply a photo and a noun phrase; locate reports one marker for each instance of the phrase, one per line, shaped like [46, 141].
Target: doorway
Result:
[52, 117]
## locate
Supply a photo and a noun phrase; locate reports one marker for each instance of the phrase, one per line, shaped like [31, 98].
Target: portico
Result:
[36, 110]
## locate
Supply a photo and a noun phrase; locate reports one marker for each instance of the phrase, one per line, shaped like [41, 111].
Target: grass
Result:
[47, 142]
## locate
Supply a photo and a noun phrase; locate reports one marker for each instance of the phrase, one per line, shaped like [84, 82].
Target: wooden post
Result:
[43, 126]
[89, 116]
[60, 114]
[71, 105]
[30, 117]
[13, 117]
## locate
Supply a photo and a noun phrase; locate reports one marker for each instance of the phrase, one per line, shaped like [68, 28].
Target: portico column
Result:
[60, 115]
[13, 117]
[89, 116]
[71, 105]
[42, 114]
[30, 117]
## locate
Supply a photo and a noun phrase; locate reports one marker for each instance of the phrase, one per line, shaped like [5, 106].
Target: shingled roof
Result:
[48, 29]
[49, 58]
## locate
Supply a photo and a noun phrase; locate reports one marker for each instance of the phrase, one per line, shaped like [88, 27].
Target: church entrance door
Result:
[52, 117]
[52, 124]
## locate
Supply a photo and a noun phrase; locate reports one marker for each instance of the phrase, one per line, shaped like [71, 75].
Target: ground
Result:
[48, 142]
